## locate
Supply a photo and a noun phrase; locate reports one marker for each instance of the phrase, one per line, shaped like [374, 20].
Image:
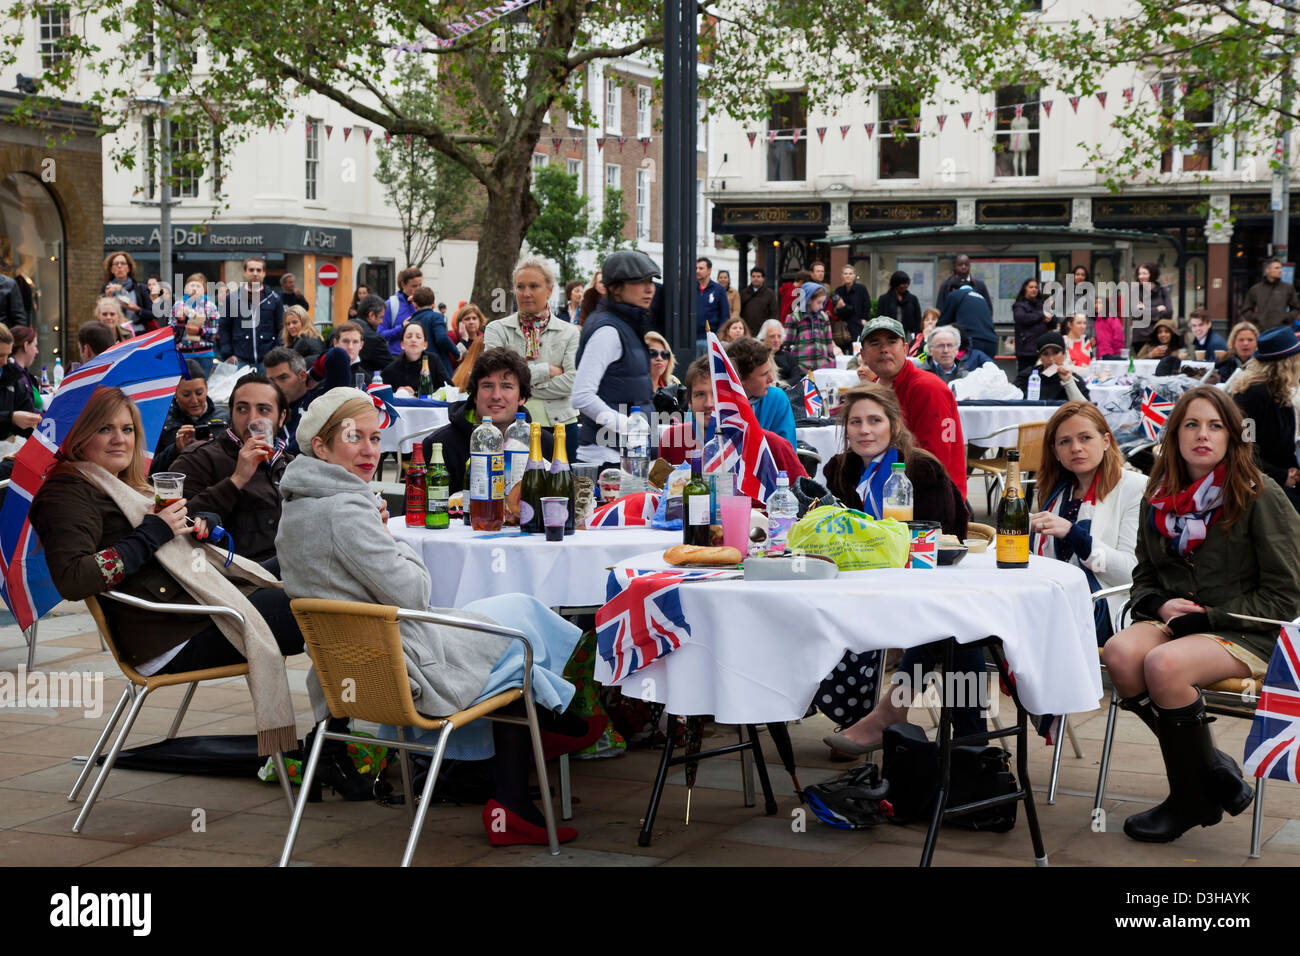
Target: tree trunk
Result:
[510, 210]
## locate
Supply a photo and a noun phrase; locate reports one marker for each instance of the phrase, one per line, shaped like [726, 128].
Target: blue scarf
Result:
[1058, 503]
[871, 489]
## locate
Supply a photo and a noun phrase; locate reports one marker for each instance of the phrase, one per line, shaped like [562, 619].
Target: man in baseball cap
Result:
[1056, 379]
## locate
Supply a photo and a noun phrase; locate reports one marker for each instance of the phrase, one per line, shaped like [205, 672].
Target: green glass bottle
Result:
[426, 380]
[1013, 519]
[533, 487]
[696, 512]
[560, 481]
[436, 515]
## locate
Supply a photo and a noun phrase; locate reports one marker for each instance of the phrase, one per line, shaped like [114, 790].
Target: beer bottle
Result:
[533, 486]
[439, 484]
[416, 490]
[1013, 519]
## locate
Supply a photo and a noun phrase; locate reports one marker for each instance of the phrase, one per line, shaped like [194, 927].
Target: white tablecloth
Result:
[828, 378]
[846, 361]
[412, 418]
[1103, 369]
[466, 565]
[757, 652]
[827, 439]
[981, 424]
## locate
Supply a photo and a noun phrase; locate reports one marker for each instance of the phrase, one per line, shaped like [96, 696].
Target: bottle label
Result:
[1013, 548]
[778, 529]
[415, 498]
[486, 477]
[518, 464]
[697, 510]
[525, 512]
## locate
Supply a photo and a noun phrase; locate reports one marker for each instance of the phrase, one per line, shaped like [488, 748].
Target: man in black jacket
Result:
[853, 303]
[758, 302]
[499, 385]
[899, 303]
[374, 350]
[236, 475]
[192, 417]
[961, 276]
[289, 293]
[1056, 380]
[252, 318]
[12, 312]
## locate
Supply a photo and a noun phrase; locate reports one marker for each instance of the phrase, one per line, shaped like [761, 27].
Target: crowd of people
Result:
[285, 465]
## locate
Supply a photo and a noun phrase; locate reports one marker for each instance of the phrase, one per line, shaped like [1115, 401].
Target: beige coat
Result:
[550, 404]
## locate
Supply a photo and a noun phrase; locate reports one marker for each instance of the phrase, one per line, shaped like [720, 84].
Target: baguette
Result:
[694, 554]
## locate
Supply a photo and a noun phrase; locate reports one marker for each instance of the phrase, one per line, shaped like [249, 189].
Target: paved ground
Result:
[147, 819]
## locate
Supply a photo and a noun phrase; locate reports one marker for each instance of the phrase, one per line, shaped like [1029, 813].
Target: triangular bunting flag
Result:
[1020, 110]
[576, 141]
[870, 127]
[328, 129]
[821, 134]
[794, 136]
[1074, 103]
[622, 141]
[366, 131]
[287, 124]
[388, 137]
[270, 127]
[600, 143]
[965, 118]
[1101, 98]
[943, 118]
[916, 125]
[347, 131]
[408, 140]
[844, 132]
[1182, 89]
[1047, 108]
[752, 137]
[1128, 95]
[555, 144]
[308, 127]
[989, 118]
[645, 145]
[1155, 90]
[771, 136]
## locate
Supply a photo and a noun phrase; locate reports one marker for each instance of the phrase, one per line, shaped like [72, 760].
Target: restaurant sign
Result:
[237, 239]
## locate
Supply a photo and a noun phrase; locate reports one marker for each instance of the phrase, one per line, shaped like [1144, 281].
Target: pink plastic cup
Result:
[735, 521]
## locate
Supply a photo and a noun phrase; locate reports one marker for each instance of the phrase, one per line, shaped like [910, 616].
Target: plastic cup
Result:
[611, 481]
[735, 521]
[555, 512]
[168, 488]
[924, 551]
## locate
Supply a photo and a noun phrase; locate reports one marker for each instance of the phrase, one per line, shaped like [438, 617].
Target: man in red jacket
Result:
[676, 439]
[929, 408]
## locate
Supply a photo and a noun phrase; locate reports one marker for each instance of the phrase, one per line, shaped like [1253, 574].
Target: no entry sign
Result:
[328, 274]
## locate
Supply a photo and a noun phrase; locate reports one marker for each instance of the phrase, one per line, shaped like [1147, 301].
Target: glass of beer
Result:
[168, 488]
[263, 429]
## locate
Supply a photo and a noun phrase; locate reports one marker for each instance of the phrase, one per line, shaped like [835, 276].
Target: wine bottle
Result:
[560, 484]
[1013, 519]
[533, 486]
[439, 485]
[696, 516]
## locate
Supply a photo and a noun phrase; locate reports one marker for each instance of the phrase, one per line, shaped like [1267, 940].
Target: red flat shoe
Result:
[555, 745]
[506, 828]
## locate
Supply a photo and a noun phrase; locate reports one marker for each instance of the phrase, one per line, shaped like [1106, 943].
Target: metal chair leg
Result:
[427, 796]
[1257, 818]
[308, 775]
[180, 713]
[543, 783]
[110, 760]
[99, 744]
[566, 789]
[1105, 752]
[30, 634]
[1056, 761]
[404, 758]
[282, 772]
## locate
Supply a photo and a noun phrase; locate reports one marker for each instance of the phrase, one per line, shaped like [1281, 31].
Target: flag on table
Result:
[812, 399]
[380, 393]
[738, 430]
[642, 618]
[1155, 412]
[147, 368]
[630, 511]
[1273, 744]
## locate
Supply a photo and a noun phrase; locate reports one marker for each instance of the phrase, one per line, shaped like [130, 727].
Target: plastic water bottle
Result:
[1035, 386]
[487, 492]
[722, 481]
[517, 436]
[782, 511]
[58, 373]
[45, 378]
[898, 494]
[377, 379]
[636, 452]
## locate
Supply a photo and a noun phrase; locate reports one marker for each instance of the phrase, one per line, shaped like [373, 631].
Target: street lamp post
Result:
[681, 86]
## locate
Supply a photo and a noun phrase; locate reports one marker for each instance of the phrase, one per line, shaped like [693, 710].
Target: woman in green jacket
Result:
[1216, 538]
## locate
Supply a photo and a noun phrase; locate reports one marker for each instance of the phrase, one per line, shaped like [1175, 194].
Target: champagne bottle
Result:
[560, 484]
[426, 380]
[439, 484]
[1013, 519]
[696, 516]
[533, 486]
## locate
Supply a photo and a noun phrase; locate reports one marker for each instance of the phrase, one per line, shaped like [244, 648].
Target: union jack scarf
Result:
[1185, 519]
[1045, 545]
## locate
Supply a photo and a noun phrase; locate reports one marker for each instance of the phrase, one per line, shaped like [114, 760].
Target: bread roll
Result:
[693, 554]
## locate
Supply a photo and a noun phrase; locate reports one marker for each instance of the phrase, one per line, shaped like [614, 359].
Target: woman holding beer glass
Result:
[875, 438]
[333, 543]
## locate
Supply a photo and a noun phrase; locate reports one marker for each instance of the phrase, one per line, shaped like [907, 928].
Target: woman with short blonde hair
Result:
[662, 361]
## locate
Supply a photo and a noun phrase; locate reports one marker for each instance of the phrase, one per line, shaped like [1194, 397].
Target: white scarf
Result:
[268, 683]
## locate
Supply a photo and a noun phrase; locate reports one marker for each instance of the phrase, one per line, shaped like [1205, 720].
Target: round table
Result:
[414, 415]
[467, 565]
[757, 651]
[993, 425]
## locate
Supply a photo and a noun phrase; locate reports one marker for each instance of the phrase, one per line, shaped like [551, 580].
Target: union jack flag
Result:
[738, 430]
[380, 394]
[630, 511]
[812, 399]
[1273, 744]
[147, 368]
[1155, 412]
[642, 618]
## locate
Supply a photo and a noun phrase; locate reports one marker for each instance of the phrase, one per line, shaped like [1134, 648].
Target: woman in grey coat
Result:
[333, 542]
[549, 347]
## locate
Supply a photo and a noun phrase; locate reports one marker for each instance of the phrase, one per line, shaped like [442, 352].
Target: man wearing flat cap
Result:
[1057, 381]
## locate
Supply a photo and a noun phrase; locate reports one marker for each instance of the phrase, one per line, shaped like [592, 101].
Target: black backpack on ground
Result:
[911, 768]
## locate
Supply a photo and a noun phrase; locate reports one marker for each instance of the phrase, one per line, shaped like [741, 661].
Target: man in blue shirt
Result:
[753, 362]
[399, 308]
[711, 308]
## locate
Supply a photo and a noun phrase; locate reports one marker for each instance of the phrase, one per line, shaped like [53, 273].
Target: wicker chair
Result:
[140, 687]
[357, 651]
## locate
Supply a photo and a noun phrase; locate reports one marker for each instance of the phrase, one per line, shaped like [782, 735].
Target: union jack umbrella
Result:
[1273, 744]
[642, 620]
[738, 430]
[630, 511]
[147, 368]
[812, 399]
[1155, 412]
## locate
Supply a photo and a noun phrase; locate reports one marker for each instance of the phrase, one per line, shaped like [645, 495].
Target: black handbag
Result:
[911, 768]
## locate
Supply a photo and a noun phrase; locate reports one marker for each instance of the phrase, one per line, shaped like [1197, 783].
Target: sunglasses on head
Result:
[660, 354]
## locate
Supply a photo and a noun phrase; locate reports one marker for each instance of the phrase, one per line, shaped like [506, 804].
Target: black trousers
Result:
[210, 648]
